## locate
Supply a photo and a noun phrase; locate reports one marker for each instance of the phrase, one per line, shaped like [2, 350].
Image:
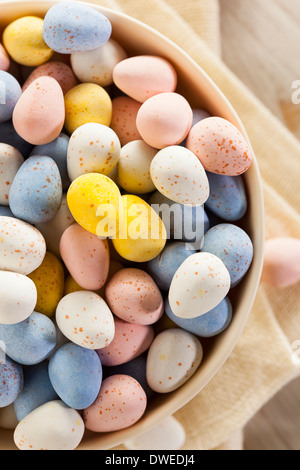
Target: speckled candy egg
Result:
[73, 27]
[4, 59]
[142, 77]
[134, 297]
[142, 234]
[11, 380]
[93, 148]
[23, 247]
[130, 341]
[134, 167]
[85, 319]
[49, 282]
[164, 267]
[220, 147]
[18, 297]
[86, 257]
[164, 120]
[211, 324]
[36, 193]
[115, 411]
[8, 135]
[97, 65]
[227, 197]
[53, 230]
[178, 175]
[10, 162]
[76, 375]
[39, 114]
[233, 246]
[198, 286]
[10, 92]
[31, 341]
[86, 103]
[94, 201]
[124, 114]
[23, 39]
[173, 358]
[64, 430]
[58, 70]
[36, 392]
[282, 262]
[57, 150]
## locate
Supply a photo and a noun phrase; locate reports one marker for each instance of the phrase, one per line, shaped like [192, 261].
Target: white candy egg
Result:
[10, 162]
[53, 426]
[93, 148]
[23, 247]
[198, 286]
[18, 296]
[86, 320]
[173, 358]
[178, 174]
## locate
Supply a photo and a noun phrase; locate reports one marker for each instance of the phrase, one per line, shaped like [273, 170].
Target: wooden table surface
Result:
[261, 44]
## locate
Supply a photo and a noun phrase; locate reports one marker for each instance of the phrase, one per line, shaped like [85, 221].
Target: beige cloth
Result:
[261, 363]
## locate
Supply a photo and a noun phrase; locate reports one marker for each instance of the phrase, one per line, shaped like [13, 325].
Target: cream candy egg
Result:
[123, 122]
[134, 167]
[115, 411]
[142, 77]
[18, 296]
[93, 148]
[53, 426]
[220, 147]
[173, 358]
[23, 247]
[85, 319]
[282, 262]
[198, 286]
[97, 65]
[164, 120]
[178, 175]
[10, 162]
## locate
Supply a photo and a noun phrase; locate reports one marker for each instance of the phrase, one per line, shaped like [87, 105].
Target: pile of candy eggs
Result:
[104, 296]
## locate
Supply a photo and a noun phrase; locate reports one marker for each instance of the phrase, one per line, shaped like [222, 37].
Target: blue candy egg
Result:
[58, 151]
[31, 341]
[163, 268]
[5, 212]
[186, 223]
[135, 369]
[227, 198]
[36, 392]
[11, 380]
[36, 192]
[76, 375]
[233, 246]
[208, 325]
[72, 27]
[10, 92]
[9, 136]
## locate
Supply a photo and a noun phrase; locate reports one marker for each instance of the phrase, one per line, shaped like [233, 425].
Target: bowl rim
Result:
[190, 389]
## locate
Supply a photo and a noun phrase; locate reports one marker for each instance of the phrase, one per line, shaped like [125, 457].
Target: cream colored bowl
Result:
[138, 38]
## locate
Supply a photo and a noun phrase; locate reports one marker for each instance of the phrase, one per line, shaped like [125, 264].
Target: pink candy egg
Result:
[220, 147]
[282, 262]
[142, 77]
[124, 113]
[133, 296]
[121, 403]
[39, 114]
[58, 70]
[130, 341]
[164, 120]
[4, 59]
[86, 256]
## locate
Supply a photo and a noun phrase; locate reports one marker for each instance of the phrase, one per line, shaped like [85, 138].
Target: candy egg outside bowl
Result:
[201, 92]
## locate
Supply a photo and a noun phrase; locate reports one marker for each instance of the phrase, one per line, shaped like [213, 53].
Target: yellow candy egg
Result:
[71, 286]
[23, 40]
[49, 282]
[142, 234]
[94, 201]
[86, 103]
